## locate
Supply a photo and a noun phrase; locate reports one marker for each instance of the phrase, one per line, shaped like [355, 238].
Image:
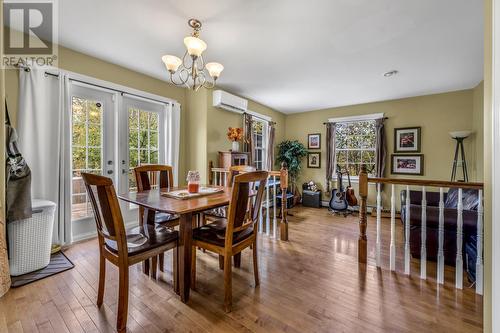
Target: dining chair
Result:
[228, 237]
[222, 211]
[155, 176]
[121, 247]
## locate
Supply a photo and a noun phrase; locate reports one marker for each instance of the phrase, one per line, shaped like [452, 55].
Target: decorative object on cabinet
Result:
[235, 134]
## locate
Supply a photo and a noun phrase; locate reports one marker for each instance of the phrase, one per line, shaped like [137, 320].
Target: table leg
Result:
[185, 248]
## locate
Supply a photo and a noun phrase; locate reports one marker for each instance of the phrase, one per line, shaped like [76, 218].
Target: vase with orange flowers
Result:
[235, 134]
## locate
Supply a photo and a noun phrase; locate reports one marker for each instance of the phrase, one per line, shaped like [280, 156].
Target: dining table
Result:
[157, 200]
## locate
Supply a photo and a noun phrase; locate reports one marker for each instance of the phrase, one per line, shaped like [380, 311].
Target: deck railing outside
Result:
[423, 184]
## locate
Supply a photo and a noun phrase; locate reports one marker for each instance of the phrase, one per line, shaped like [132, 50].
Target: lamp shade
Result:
[171, 62]
[214, 69]
[460, 134]
[195, 46]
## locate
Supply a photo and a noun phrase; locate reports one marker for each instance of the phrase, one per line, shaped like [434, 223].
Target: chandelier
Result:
[190, 71]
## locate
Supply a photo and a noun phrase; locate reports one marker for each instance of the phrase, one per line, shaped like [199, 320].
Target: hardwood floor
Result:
[310, 284]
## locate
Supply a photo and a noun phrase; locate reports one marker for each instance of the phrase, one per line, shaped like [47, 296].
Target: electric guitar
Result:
[338, 201]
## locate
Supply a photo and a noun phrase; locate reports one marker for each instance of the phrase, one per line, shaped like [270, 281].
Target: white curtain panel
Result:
[44, 139]
[172, 127]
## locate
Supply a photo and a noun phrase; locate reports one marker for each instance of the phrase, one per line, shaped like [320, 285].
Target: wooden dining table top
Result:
[153, 199]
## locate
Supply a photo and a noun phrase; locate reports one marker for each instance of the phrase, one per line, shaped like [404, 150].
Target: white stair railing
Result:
[425, 205]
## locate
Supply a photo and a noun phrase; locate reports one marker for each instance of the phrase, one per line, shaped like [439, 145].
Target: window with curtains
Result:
[355, 144]
[259, 136]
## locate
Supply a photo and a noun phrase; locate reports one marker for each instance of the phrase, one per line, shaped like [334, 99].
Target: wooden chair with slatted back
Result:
[228, 237]
[147, 177]
[122, 248]
[222, 211]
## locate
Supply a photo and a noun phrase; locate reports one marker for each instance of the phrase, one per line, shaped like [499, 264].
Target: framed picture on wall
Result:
[314, 141]
[407, 140]
[407, 164]
[314, 160]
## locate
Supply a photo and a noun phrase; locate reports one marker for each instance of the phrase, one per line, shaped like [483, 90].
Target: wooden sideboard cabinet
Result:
[228, 159]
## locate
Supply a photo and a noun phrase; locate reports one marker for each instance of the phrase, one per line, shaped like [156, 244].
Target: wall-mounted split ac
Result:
[226, 101]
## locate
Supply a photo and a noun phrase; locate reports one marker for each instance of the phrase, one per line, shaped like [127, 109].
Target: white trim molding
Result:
[495, 170]
[351, 119]
[259, 115]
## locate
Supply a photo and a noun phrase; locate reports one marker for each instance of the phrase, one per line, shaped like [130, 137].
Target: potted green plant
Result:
[292, 152]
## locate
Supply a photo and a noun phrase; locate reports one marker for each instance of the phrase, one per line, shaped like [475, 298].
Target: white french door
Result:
[111, 134]
[92, 151]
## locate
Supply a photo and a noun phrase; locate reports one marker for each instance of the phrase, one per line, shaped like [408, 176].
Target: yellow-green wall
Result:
[437, 115]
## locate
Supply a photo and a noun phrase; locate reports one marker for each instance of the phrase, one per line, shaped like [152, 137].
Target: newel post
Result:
[284, 201]
[363, 193]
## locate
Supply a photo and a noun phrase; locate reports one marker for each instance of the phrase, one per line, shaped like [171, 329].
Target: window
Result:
[355, 145]
[259, 133]
[86, 147]
[143, 137]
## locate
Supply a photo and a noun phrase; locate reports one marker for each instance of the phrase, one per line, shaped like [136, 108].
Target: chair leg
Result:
[228, 288]
[161, 262]
[237, 260]
[175, 269]
[221, 261]
[145, 266]
[255, 264]
[122, 310]
[154, 266]
[193, 268]
[102, 280]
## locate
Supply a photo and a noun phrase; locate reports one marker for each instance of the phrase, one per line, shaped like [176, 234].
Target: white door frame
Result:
[495, 169]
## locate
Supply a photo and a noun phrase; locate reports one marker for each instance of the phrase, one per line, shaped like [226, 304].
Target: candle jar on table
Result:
[193, 180]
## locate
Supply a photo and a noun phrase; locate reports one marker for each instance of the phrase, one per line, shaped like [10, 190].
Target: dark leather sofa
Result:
[470, 202]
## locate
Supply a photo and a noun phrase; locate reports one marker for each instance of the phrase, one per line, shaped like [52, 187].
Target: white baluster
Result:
[268, 223]
[459, 261]
[379, 216]
[407, 231]
[393, 231]
[479, 245]
[215, 177]
[275, 223]
[423, 237]
[440, 257]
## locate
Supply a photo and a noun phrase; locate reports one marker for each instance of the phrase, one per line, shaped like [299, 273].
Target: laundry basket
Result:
[30, 239]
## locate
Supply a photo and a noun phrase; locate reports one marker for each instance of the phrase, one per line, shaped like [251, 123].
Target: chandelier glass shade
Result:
[191, 71]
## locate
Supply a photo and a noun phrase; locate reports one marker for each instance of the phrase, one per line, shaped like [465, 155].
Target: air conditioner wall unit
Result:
[227, 101]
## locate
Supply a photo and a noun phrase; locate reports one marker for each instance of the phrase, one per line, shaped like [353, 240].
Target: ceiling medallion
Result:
[191, 71]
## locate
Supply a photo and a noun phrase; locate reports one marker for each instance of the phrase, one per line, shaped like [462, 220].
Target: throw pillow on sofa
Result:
[469, 199]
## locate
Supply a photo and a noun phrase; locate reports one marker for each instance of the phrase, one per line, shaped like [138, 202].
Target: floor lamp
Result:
[460, 136]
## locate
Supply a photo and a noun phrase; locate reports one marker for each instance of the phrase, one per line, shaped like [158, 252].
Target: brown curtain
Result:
[270, 146]
[330, 154]
[380, 148]
[247, 136]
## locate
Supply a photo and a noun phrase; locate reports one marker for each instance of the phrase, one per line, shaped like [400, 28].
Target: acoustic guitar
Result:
[349, 193]
[338, 200]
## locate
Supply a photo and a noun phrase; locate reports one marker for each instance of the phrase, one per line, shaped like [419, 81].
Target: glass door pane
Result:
[86, 147]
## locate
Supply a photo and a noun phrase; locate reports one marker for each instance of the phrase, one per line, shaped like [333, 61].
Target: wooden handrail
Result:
[424, 182]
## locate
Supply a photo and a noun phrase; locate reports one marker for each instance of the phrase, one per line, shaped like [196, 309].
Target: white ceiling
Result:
[294, 55]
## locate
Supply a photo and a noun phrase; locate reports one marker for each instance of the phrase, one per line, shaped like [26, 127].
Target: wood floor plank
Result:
[312, 283]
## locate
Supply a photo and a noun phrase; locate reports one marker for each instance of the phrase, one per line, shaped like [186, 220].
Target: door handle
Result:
[110, 172]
